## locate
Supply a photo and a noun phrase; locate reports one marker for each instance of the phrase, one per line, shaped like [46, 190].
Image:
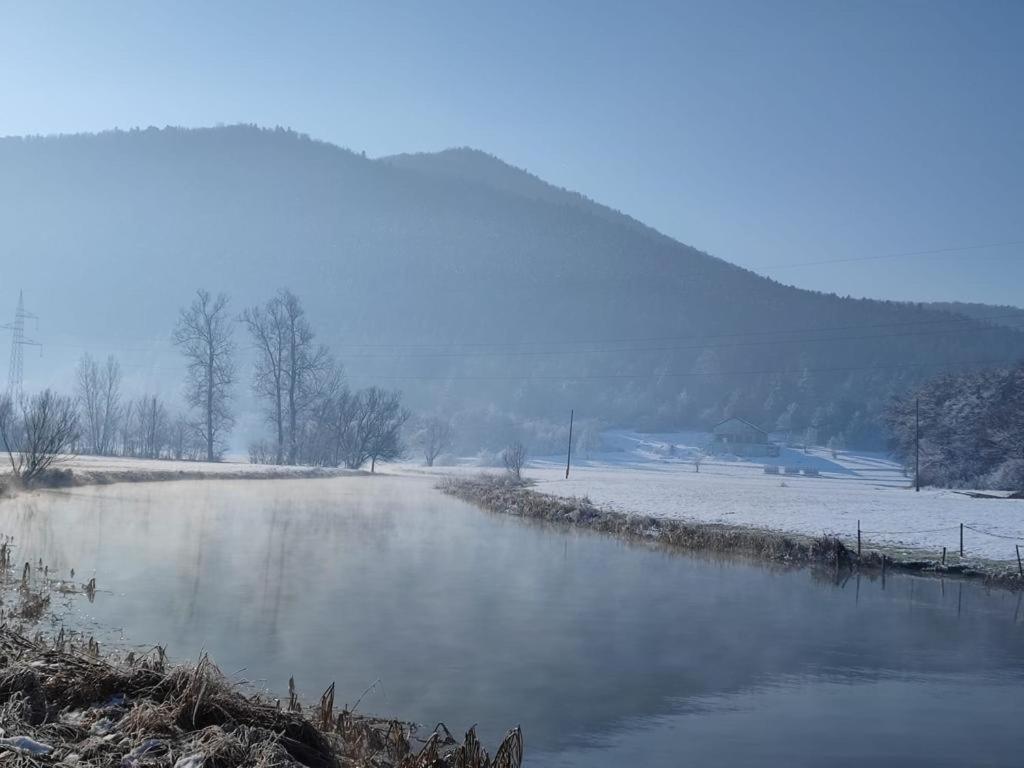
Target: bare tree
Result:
[38, 432]
[260, 452]
[268, 329]
[127, 425]
[515, 459]
[99, 398]
[203, 334]
[435, 438]
[355, 423]
[325, 418]
[366, 426]
[152, 423]
[344, 417]
[386, 420]
[182, 444]
[305, 365]
[290, 368]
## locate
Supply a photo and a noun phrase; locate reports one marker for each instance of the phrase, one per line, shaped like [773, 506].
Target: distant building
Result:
[741, 438]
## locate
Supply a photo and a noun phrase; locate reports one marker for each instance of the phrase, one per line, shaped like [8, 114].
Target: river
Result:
[607, 653]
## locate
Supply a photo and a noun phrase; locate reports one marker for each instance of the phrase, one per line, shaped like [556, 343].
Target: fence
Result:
[960, 528]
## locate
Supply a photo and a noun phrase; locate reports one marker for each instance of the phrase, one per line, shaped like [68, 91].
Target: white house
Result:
[741, 438]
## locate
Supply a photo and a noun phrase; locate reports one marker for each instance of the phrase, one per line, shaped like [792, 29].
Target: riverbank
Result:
[99, 470]
[501, 494]
[807, 494]
[66, 704]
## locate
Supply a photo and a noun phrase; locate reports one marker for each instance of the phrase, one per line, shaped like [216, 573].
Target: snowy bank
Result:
[104, 470]
[655, 475]
[504, 495]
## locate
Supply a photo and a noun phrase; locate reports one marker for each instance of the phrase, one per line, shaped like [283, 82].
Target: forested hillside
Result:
[971, 428]
[999, 314]
[476, 288]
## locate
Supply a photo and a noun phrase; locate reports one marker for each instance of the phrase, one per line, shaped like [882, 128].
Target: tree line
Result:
[313, 416]
[971, 428]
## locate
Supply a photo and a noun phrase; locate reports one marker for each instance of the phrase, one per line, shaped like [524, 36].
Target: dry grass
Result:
[62, 703]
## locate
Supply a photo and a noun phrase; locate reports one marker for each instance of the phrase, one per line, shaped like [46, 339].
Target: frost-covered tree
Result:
[971, 428]
[514, 458]
[435, 437]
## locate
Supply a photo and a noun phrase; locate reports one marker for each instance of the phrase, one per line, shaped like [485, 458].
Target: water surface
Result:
[607, 653]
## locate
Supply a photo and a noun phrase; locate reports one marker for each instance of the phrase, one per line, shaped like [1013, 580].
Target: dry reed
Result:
[64, 704]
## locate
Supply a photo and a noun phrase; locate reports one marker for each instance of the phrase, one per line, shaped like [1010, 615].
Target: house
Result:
[741, 438]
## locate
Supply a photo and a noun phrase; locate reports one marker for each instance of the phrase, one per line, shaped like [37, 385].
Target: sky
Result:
[816, 142]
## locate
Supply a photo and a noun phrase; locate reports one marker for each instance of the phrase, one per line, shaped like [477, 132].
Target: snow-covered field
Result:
[642, 473]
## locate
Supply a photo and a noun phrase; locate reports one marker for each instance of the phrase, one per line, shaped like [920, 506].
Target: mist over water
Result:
[607, 653]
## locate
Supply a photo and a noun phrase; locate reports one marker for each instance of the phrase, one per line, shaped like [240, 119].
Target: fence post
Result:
[961, 539]
[943, 555]
[858, 538]
[1019, 566]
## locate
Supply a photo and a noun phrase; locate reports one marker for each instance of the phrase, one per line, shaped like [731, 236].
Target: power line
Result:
[160, 344]
[401, 350]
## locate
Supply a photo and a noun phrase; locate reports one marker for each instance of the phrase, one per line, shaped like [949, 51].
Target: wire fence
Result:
[916, 530]
[962, 549]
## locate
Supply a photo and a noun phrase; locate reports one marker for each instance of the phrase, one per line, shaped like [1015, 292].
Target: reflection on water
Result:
[606, 652]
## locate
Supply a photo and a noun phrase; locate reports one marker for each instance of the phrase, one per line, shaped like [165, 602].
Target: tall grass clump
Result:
[62, 703]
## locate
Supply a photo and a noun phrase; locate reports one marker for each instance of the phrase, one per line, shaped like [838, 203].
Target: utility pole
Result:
[16, 372]
[568, 455]
[917, 445]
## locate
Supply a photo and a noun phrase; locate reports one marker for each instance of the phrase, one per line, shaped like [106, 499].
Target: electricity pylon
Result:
[16, 371]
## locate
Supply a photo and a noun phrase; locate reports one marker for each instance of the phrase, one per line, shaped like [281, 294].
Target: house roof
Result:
[741, 421]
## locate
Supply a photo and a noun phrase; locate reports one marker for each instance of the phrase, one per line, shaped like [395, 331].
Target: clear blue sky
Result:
[767, 133]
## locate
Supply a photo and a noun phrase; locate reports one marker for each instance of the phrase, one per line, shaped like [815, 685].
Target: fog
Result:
[476, 289]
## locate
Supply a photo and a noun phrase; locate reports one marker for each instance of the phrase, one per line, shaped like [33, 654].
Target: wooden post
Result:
[917, 445]
[1019, 566]
[858, 538]
[961, 539]
[943, 555]
[568, 455]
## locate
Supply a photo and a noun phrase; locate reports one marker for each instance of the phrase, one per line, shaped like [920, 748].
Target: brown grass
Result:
[65, 704]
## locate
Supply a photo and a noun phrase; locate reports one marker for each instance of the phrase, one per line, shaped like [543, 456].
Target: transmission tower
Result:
[16, 371]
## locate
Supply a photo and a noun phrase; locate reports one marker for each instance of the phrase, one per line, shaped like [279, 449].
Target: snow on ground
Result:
[118, 464]
[654, 475]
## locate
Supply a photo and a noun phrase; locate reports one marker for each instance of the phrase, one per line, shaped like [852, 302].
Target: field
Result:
[655, 475]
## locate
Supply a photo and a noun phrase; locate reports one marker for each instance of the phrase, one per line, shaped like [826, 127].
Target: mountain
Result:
[479, 168]
[475, 287]
[997, 314]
